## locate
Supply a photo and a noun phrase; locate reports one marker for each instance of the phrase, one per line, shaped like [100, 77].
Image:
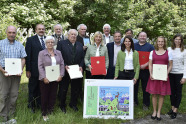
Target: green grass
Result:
[24, 116]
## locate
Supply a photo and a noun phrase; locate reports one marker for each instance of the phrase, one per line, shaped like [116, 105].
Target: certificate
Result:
[98, 65]
[143, 57]
[74, 72]
[52, 72]
[13, 66]
[159, 72]
[86, 41]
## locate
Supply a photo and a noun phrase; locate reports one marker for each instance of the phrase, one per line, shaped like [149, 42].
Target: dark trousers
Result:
[74, 89]
[126, 75]
[90, 76]
[176, 89]
[34, 99]
[48, 97]
[110, 73]
[143, 76]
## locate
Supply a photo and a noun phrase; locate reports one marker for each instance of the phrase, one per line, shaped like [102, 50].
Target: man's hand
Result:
[28, 74]
[81, 69]
[46, 81]
[59, 78]
[66, 67]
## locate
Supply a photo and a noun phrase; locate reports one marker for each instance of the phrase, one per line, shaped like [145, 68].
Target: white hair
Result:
[106, 25]
[78, 27]
[58, 25]
[73, 30]
[49, 38]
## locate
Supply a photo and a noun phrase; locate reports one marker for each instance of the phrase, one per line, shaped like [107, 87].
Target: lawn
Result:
[24, 115]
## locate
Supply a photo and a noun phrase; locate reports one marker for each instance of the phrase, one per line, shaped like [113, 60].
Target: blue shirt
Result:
[146, 47]
[11, 50]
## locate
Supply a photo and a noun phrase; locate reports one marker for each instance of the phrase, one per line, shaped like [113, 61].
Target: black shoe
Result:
[159, 119]
[153, 117]
[63, 109]
[173, 115]
[170, 112]
[73, 107]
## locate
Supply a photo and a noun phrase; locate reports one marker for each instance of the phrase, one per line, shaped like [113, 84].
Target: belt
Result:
[128, 70]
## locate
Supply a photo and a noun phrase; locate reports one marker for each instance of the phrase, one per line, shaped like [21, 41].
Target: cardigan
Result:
[121, 62]
[91, 52]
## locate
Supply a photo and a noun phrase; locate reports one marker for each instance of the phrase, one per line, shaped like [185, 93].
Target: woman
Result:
[178, 73]
[49, 57]
[158, 87]
[96, 49]
[127, 64]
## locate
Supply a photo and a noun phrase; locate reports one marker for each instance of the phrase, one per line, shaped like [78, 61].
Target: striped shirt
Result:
[10, 50]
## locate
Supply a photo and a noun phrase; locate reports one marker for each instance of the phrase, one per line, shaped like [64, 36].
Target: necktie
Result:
[59, 38]
[42, 43]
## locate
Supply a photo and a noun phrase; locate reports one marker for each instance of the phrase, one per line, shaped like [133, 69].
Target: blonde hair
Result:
[165, 43]
[96, 34]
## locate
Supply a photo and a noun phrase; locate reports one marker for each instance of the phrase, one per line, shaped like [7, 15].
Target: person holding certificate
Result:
[49, 57]
[177, 75]
[97, 49]
[127, 64]
[159, 87]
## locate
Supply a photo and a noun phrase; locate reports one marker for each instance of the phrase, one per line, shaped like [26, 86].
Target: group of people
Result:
[122, 62]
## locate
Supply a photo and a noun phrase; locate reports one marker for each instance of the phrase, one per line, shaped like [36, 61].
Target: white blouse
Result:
[179, 61]
[129, 60]
[53, 60]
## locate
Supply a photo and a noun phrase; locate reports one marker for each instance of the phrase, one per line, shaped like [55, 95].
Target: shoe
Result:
[153, 117]
[170, 112]
[63, 109]
[73, 107]
[145, 108]
[45, 118]
[158, 118]
[173, 115]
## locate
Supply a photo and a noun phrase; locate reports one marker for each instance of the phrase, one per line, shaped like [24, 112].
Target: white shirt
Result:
[117, 48]
[53, 60]
[169, 55]
[129, 60]
[41, 41]
[179, 61]
[97, 49]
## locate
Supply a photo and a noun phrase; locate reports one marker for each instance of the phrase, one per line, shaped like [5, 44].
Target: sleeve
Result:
[28, 50]
[87, 57]
[82, 57]
[23, 52]
[106, 58]
[184, 64]
[137, 66]
[150, 56]
[62, 67]
[170, 55]
[117, 65]
[41, 68]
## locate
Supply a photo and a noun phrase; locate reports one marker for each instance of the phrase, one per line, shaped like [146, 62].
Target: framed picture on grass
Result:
[108, 99]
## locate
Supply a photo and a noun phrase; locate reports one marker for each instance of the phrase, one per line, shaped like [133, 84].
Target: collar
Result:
[116, 44]
[40, 37]
[127, 51]
[106, 36]
[47, 53]
[9, 42]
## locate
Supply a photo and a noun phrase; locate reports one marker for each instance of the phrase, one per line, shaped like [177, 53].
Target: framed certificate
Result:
[159, 72]
[74, 72]
[52, 72]
[13, 66]
[86, 41]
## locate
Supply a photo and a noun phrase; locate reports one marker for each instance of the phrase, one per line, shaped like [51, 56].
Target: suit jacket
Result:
[121, 62]
[33, 47]
[56, 40]
[67, 52]
[111, 39]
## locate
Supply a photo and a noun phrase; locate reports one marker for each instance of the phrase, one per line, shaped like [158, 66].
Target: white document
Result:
[13, 66]
[52, 72]
[159, 72]
[74, 72]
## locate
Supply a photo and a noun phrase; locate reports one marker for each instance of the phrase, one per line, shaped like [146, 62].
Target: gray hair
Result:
[78, 27]
[73, 30]
[49, 38]
[58, 25]
[11, 27]
[106, 25]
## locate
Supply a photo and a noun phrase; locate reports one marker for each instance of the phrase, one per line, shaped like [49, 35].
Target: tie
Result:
[59, 38]
[42, 43]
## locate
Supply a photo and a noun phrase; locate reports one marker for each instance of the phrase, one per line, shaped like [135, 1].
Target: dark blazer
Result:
[33, 47]
[66, 49]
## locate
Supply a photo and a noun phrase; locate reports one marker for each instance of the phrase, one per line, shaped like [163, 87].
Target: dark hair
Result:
[132, 43]
[173, 46]
[165, 43]
[128, 30]
[118, 32]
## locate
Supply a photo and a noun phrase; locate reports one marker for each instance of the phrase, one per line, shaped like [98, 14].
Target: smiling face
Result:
[129, 33]
[11, 33]
[142, 37]
[117, 38]
[106, 30]
[98, 39]
[82, 30]
[40, 30]
[160, 43]
[58, 30]
[50, 44]
[177, 42]
[127, 43]
[72, 36]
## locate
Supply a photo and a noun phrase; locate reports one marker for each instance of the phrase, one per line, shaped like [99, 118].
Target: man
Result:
[73, 54]
[9, 84]
[143, 46]
[58, 34]
[130, 33]
[34, 45]
[113, 49]
[107, 38]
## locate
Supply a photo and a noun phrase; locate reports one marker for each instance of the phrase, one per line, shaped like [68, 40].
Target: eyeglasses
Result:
[50, 42]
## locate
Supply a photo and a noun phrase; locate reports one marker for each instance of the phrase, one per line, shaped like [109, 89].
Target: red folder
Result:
[98, 65]
[143, 57]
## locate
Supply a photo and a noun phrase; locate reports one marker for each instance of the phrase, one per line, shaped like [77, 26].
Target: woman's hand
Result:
[115, 78]
[59, 79]
[46, 81]
[183, 80]
[134, 80]
[90, 67]
[151, 77]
